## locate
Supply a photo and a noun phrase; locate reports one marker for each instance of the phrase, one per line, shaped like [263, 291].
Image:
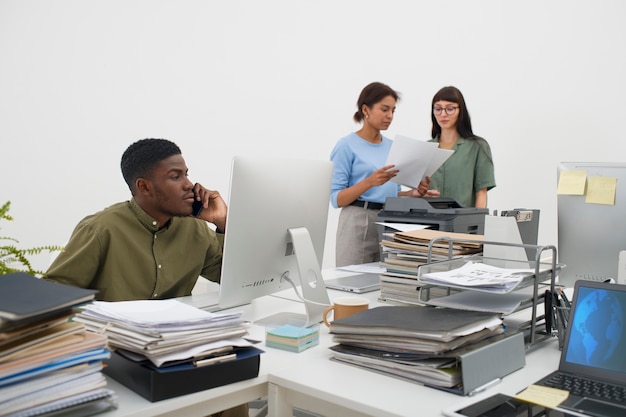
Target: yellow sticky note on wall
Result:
[572, 182]
[544, 396]
[601, 190]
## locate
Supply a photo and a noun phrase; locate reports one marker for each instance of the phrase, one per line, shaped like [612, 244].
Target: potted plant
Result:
[14, 259]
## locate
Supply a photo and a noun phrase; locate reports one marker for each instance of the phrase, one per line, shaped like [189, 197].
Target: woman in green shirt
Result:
[469, 173]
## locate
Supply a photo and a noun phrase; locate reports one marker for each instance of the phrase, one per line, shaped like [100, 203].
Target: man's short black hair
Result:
[140, 157]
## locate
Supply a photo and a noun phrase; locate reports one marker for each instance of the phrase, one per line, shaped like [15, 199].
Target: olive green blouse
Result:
[467, 170]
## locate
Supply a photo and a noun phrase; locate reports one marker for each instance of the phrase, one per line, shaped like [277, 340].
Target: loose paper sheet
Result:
[415, 159]
[480, 277]
[404, 227]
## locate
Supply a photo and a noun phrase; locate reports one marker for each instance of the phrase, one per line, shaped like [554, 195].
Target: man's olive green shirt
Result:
[126, 255]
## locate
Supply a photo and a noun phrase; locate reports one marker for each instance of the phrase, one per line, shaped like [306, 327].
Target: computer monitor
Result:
[275, 231]
[591, 235]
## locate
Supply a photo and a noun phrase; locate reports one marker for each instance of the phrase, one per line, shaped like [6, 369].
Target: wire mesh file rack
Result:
[543, 279]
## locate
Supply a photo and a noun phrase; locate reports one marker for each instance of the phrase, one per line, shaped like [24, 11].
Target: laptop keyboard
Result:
[585, 387]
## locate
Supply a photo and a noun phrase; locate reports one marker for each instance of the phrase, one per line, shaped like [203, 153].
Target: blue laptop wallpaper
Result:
[597, 335]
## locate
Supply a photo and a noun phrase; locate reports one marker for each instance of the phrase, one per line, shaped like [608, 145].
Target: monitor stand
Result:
[314, 294]
[312, 283]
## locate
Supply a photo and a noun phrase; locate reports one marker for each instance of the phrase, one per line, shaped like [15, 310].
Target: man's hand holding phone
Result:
[209, 206]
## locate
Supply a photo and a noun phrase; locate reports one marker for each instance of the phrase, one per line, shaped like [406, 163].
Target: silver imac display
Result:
[591, 236]
[275, 231]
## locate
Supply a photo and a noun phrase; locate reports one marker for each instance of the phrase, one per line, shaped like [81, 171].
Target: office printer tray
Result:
[155, 384]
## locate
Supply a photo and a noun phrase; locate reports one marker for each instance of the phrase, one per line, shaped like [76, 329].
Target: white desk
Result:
[202, 403]
[311, 381]
[329, 388]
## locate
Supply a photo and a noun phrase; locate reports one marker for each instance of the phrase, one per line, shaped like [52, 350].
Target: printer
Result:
[439, 213]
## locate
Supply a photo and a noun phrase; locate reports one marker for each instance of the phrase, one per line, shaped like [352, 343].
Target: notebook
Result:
[359, 283]
[594, 348]
[26, 299]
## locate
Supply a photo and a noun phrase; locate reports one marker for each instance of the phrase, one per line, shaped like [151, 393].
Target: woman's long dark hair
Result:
[464, 123]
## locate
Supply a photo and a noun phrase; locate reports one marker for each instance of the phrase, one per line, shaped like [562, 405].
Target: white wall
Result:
[80, 80]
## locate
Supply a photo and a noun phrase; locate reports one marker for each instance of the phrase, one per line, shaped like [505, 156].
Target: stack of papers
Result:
[292, 338]
[415, 159]
[403, 252]
[479, 277]
[164, 330]
[412, 342]
[440, 372]
[48, 363]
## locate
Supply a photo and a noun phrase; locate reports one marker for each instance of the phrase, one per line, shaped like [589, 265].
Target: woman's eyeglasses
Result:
[449, 110]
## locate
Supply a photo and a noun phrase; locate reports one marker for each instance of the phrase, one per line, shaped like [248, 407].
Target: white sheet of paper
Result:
[369, 268]
[415, 159]
[184, 353]
[439, 157]
[480, 277]
[159, 314]
[404, 227]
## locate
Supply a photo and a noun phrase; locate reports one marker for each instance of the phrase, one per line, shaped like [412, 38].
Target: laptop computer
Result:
[359, 283]
[594, 349]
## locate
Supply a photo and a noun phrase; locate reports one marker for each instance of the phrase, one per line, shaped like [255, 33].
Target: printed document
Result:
[415, 159]
[479, 276]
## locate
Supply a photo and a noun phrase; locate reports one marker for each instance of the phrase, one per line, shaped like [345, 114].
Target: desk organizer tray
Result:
[157, 384]
[532, 272]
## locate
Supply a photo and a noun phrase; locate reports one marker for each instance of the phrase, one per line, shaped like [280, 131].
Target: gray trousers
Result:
[357, 236]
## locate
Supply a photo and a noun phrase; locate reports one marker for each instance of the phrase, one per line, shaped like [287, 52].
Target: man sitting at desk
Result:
[150, 247]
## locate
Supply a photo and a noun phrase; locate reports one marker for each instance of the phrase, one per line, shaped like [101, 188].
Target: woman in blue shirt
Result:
[361, 183]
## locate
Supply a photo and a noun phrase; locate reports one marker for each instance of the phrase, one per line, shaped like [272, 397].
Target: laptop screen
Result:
[596, 344]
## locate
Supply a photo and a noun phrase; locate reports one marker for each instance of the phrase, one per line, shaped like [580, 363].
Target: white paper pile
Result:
[479, 277]
[164, 330]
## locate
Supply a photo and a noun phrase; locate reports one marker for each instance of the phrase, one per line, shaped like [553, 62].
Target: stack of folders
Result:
[404, 252]
[49, 365]
[166, 332]
[419, 344]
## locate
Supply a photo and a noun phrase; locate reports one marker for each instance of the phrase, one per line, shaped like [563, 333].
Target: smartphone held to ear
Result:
[196, 207]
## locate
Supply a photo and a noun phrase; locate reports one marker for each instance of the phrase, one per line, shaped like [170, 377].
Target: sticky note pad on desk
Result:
[545, 396]
[292, 338]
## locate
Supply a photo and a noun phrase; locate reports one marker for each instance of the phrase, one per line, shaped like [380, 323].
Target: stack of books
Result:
[404, 252]
[48, 363]
[419, 344]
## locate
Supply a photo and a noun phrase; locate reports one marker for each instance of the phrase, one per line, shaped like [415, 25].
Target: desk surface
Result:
[368, 393]
[216, 399]
[312, 381]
